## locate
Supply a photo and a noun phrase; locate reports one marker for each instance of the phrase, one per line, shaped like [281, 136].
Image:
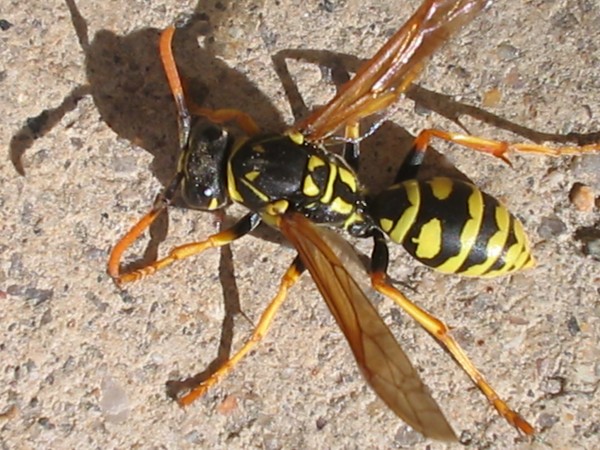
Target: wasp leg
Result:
[220, 116]
[170, 68]
[499, 149]
[440, 331]
[239, 229]
[287, 281]
[160, 204]
[351, 152]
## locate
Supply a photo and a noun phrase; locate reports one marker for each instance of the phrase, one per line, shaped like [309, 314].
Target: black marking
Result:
[452, 213]
[489, 227]
[511, 240]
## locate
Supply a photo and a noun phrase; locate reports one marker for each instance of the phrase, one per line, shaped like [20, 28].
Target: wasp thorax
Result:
[203, 164]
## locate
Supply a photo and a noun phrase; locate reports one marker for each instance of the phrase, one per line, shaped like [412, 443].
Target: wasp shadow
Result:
[126, 81]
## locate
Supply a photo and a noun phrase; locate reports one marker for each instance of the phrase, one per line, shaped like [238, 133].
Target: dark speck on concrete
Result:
[5, 24]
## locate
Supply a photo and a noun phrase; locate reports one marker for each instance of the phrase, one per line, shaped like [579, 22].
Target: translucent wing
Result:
[378, 354]
[381, 80]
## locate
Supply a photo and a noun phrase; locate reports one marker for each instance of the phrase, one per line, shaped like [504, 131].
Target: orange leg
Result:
[287, 281]
[220, 116]
[242, 227]
[114, 261]
[170, 68]
[160, 204]
[440, 331]
[499, 149]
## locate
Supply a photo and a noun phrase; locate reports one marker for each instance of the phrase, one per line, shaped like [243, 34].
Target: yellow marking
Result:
[441, 187]
[328, 194]
[522, 239]
[517, 254]
[502, 221]
[352, 218]
[520, 232]
[314, 162]
[277, 208]
[270, 220]
[511, 256]
[468, 235]
[341, 207]
[255, 191]
[348, 178]
[494, 246]
[409, 215]
[429, 241]
[234, 194]
[521, 260]
[531, 262]
[214, 203]
[386, 225]
[258, 148]
[239, 143]
[296, 137]
[310, 188]
[251, 176]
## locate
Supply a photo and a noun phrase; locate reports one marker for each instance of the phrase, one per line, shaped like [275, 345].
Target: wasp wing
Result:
[380, 81]
[379, 356]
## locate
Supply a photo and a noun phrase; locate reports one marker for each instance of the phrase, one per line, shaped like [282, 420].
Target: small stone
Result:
[407, 437]
[507, 51]
[321, 422]
[582, 197]
[465, 438]
[592, 248]
[5, 24]
[114, 402]
[546, 421]
[551, 226]
[573, 326]
[228, 405]
[492, 97]
[46, 317]
[553, 385]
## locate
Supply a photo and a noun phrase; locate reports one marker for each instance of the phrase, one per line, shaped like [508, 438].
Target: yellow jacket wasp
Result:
[291, 182]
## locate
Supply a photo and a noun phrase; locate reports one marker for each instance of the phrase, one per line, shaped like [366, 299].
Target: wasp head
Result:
[203, 164]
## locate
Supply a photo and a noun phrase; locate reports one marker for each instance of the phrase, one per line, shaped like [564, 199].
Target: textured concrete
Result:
[88, 120]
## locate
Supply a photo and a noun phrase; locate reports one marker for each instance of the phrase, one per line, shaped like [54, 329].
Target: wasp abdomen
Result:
[452, 226]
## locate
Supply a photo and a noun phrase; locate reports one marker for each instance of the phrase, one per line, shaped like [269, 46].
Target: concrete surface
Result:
[87, 117]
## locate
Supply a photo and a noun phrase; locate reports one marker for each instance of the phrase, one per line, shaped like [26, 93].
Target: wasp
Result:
[292, 182]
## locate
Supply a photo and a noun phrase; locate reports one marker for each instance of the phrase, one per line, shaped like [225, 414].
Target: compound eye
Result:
[212, 135]
[198, 195]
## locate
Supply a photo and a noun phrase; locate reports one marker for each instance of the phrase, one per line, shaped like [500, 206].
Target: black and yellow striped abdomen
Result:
[453, 227]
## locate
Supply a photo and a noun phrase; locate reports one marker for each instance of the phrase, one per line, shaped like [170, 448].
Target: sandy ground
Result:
[90, 124]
